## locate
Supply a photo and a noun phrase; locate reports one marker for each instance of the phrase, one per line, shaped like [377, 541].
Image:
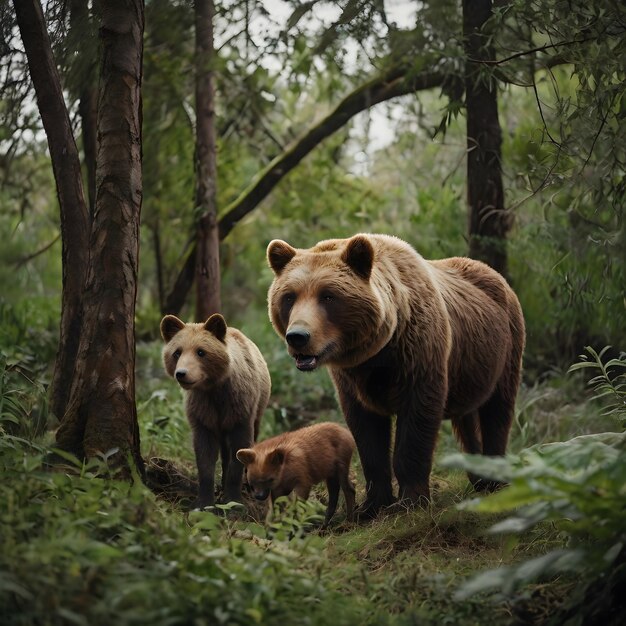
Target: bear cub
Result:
[227, 387]
[298, 460]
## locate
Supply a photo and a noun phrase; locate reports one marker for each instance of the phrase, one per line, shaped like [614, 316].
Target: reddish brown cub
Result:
[227, 387]
[298, 460]
[403, 336]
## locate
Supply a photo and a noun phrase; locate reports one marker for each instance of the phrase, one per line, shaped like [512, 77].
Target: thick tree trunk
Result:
[101, 412]
[489, 222]
[207, 243]
[75, 222]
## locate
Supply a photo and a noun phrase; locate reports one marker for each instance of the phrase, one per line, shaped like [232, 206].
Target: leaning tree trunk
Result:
[489, 222]
[75, 221]
[207, 251]
[101, 413]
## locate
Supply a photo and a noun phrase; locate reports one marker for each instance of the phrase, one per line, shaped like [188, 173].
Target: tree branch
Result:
[397, 82]
[27, 259]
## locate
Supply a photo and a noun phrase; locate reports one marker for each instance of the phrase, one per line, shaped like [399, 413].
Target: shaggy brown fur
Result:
[227, 388]
[403, 336]
[297, 460]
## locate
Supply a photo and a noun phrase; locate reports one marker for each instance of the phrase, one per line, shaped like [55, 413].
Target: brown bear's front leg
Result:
[417, 426]
[206, 447]
[372, 434]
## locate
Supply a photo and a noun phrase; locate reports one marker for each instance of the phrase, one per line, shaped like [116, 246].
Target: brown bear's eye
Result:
[200, 352]
[326, 296]
[176, 354]
[289, 299]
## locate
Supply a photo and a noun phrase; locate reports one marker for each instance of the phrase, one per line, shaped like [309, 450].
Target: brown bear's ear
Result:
[246, 456]
[359, 256]
[216, 324]
[279, 253]
[170, 325]
[276, 457]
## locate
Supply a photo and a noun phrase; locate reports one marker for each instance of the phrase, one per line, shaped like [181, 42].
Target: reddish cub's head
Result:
[263, 469]
[322, 301]
[195, 354]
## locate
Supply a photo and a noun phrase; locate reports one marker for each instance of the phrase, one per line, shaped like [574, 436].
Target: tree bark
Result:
[101, 413]
[208, 287]
[75, 222]
[489, 222]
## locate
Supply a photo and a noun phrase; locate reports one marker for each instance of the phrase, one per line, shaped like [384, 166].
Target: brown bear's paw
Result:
[414, 496]
[369, 509]
[202, 503]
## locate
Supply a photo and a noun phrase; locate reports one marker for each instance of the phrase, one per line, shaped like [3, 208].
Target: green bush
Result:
[80, 548]
[578, 486]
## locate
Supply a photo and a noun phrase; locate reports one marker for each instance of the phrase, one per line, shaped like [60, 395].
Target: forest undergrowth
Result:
[81, 547]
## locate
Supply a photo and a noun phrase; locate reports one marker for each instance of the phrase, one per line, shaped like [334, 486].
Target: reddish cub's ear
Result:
[246, 456]
[276, 457]
[279, 253]
[216, 325]
[170, 325]
[359, 256]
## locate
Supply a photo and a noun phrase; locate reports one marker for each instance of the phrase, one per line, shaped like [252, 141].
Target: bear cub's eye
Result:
[289, 298]
[326, 296]
[176, 354]
[200, 352]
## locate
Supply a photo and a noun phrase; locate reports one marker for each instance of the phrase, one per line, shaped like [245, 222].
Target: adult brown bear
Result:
[403, 336]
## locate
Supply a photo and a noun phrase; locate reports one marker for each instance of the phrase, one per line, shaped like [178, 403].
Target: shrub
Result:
[579, 486]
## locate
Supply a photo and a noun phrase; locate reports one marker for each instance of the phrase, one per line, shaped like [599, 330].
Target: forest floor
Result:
[79, 547]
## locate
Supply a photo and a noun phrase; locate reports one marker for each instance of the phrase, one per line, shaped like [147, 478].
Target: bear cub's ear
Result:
[359, 256]
[276, 457]
[170, 325]
[246, 456]
[279, 253]
[216, 325]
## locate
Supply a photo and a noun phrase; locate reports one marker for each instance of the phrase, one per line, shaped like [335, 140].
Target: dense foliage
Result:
[78, 546]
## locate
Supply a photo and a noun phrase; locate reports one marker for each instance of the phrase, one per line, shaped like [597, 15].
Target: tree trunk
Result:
[155, 229]
[80, 25]
[101, 413]
[207, 243]
[88, 111]
[489, 222]
[75, 222]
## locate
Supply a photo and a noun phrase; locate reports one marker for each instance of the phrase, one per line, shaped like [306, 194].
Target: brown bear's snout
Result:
[181, 374]
[297, 337]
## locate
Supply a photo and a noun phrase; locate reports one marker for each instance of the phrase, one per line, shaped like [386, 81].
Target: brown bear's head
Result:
[263, 469]
[327, 302]
[195, 354]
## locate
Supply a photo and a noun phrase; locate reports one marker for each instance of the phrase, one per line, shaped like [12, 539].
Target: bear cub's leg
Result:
[206, 447]
[241, 436]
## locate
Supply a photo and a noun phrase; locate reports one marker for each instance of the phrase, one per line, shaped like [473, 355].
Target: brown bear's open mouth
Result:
[306, 362]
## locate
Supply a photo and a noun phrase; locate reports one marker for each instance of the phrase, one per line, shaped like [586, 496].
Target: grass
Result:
[80, 549]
